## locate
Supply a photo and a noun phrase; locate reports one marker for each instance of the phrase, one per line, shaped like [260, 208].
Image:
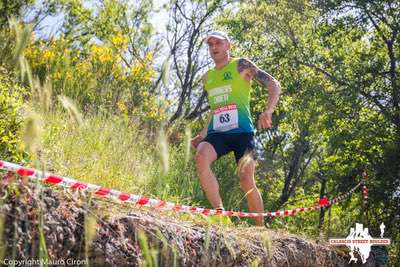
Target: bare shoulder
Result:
[250, 71]
[244, 64]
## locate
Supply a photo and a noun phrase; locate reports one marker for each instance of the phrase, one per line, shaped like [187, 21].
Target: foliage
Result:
[102, 59]
[338, 113]
[9, 9]
[11, 104]
[95, 76]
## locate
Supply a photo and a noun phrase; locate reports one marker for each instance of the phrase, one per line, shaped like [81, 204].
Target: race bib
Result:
[225, 118]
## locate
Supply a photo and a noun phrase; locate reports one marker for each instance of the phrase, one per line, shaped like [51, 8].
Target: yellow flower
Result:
[83, 67]
[122, 107]
[119, 40]
[149, 56]
[102, 54]
[148, 76]
[48, 55]
[136, 70]
[56, 76]
[68, 76]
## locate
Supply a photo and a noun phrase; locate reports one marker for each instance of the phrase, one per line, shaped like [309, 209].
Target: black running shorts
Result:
[239, 143]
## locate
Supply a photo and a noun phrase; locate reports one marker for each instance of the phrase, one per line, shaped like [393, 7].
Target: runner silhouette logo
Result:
[360, 241]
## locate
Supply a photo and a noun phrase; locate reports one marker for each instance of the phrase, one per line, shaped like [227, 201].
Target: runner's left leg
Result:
[248, 185]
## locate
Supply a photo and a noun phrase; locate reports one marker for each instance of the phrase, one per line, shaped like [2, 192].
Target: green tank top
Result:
[229, 99]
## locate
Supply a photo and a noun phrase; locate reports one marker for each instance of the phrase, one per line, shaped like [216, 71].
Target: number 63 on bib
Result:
[225, 118]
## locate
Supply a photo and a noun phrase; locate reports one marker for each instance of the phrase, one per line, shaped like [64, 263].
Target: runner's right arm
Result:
[200, 137]
[203, 132]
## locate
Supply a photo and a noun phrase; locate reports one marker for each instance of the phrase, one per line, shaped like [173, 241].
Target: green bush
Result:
[11, 102]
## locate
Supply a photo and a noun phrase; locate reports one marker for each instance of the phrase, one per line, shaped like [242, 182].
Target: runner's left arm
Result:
[251, 71]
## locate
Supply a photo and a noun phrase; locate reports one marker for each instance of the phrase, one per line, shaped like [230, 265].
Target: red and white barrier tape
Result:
[365, 189]
[345, 195]
[154, 203]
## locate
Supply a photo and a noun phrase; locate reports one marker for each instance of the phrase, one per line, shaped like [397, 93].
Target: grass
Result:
[109, 151]
[102, 151]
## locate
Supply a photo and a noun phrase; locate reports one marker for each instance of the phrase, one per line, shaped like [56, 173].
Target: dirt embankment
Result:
[123, 237]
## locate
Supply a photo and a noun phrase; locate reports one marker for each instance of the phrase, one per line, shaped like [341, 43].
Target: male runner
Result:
[230, 127]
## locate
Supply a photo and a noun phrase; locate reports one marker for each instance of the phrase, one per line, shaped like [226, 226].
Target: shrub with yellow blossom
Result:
[119, 41]
[96, 77]
[152, 110]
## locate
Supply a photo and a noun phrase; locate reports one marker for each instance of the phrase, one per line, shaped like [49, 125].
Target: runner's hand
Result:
[265, 120]
[196, 141]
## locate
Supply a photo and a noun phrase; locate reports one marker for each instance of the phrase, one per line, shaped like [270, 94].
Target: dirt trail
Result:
[122, 236]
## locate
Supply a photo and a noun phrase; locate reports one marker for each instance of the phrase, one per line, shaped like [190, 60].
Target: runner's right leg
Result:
[204, 157]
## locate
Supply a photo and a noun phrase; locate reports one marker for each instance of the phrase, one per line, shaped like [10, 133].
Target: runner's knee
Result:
[245, 170]
[246, 167]
[202, 159]
[205, 155]
[247, 181]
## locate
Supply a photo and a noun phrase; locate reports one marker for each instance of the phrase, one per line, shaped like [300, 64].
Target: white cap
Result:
[217, 34]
